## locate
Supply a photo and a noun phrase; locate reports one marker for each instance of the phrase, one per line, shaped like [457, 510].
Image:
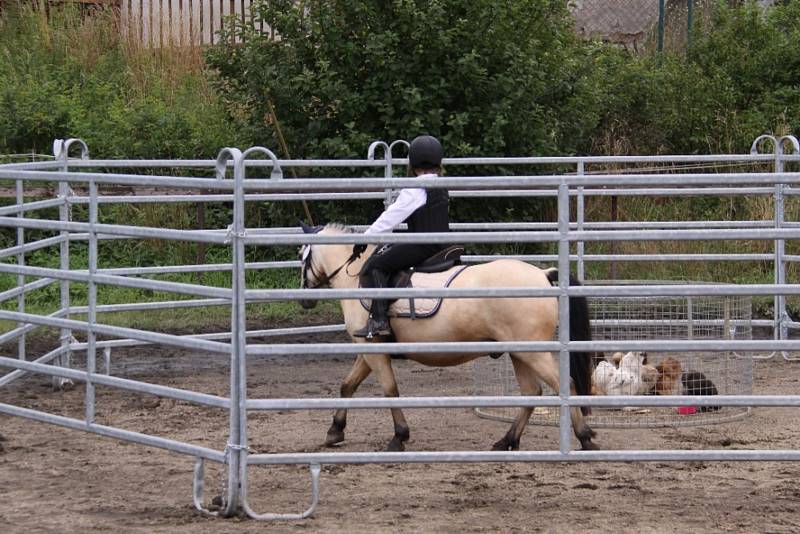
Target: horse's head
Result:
[310, 277]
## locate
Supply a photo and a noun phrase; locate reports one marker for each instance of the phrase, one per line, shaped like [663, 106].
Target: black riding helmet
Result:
[425, 152]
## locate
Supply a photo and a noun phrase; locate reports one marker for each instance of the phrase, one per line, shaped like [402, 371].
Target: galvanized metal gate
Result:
[230, 183]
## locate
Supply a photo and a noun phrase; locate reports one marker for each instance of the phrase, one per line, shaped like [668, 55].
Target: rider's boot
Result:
[378, 322]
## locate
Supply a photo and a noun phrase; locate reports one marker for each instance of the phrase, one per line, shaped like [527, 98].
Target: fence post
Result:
[781, 329]
[580, 209]
[64, 215]
[91, 349]
[236, 441]
[565, 422]
[61, 151]
[20, 199]
[661, 16]
[239, 326]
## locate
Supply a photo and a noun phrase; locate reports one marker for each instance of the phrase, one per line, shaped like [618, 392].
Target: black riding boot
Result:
[378, 322]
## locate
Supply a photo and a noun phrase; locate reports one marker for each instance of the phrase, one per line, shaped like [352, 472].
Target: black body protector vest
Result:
[433, 216]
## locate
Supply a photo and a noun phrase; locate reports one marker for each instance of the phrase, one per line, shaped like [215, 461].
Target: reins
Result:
[328, 277]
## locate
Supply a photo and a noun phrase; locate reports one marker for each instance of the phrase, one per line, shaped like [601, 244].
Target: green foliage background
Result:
[488, 78]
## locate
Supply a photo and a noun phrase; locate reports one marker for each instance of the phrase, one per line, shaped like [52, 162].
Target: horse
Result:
[458, 320]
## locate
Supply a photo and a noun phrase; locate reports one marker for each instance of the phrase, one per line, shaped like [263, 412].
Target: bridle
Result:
[323, 281]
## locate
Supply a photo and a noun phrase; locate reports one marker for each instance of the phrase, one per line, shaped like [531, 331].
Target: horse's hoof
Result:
[589, 445]
[334, 437]
[395, 445]
[504, 445]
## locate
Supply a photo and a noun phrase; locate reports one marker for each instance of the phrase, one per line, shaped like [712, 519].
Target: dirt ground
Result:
[58, 480]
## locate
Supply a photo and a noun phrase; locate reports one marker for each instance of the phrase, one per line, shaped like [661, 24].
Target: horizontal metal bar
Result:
[496, 347]
[22, 330]
[620, 225]
[526, 237]
[207, 267]
[117, 179]
[221, 335]
[686, 235]
[27, 288]
[143, 335]
[619, 192]
[111, 432]
[524, 182]
[552, 258]
[211, 163]
[159, 305]
[467, 182]
[117, 229]
[257, 295]
[52, 355]
[253, 197]
[682, 290]
[121, 383]
[142, 283]
[642, 290]
[331, 458]
[677, 192]
[519, 401]
[30, 206]
[32, 165]
[30, 247]
[381, 162]
[493, 193]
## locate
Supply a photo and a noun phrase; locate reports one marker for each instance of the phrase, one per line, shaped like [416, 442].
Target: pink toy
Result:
[687, 410]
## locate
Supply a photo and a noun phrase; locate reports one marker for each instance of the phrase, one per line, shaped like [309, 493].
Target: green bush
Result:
[67, 75]
[488, 78]
[739, 79]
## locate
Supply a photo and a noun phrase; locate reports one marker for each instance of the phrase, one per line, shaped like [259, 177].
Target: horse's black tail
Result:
[580, 363]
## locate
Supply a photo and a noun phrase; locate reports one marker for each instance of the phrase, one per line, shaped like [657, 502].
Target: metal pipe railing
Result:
[562, 234]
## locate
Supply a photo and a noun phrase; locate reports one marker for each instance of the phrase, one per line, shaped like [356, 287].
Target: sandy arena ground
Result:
[58, 480]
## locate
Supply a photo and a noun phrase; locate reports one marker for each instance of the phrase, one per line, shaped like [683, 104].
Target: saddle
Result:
[437, 271]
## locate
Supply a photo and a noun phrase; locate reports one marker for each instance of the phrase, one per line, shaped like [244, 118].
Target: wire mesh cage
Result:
[656, 373]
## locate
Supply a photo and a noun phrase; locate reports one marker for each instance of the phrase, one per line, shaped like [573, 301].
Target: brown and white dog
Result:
[669, 377]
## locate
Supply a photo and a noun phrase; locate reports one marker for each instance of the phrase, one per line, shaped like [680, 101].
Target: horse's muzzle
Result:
[308, 304]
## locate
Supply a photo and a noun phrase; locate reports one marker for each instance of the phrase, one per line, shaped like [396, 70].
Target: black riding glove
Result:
[358, 249]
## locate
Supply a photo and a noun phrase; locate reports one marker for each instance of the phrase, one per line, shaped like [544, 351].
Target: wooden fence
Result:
[180, 22]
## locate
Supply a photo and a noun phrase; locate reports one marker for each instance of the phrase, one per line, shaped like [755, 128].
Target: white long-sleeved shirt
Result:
[407, 202]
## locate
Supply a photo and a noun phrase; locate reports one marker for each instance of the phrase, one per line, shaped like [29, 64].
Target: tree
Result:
[488, 78]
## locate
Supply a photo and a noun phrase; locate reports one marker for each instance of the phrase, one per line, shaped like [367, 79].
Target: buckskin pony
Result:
[459, 320]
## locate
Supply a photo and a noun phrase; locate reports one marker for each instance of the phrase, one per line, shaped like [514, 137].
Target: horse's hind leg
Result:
[357, 374]
[546, 367]
[528, 386]
[381, 364]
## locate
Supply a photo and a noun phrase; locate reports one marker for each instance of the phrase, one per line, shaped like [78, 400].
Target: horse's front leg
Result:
[381, 364]
[357, 374]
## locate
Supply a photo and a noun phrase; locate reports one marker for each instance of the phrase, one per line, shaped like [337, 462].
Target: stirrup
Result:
[373, 328]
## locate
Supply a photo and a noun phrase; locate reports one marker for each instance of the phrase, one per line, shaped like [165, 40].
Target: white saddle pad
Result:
[426, 307]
